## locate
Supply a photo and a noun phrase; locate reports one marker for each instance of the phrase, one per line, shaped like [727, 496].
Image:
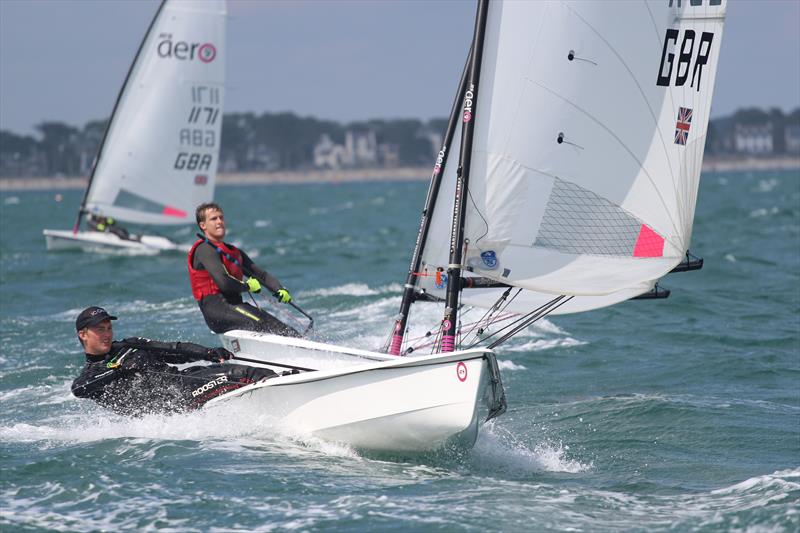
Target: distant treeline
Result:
[285, 141]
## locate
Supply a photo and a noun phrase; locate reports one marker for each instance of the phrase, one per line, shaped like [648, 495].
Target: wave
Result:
[344, 206]
[702, 403]
[763, 212]
[509, 365]
[545, 344]
[499, 450]
[349, 289]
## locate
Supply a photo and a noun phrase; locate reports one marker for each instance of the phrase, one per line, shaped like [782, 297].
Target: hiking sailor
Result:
[135, 376]
[216, 273]
[107, 224]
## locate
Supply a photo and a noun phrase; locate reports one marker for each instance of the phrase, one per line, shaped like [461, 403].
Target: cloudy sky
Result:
[343, 60]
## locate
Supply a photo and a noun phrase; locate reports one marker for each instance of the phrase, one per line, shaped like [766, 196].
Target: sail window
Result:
[578, 221]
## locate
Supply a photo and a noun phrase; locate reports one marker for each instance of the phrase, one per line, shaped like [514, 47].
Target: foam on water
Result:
[317, 211]
[767, 185]
[498, 449]
[763, 212]
[221, 428]
[96, 424]
[109, 251]
[177, 307]
[544, 344]
[350, 289]
[509, 365]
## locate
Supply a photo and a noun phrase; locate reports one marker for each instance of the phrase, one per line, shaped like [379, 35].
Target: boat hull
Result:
[372, 401]
[91, 241]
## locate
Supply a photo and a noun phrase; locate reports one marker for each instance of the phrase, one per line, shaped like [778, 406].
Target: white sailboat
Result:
[158, 158]
[581, 128]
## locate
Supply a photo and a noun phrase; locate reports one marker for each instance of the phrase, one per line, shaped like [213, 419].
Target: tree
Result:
[19, 155]
[59, 145]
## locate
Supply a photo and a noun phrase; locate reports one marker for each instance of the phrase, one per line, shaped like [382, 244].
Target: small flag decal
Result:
[683, 125]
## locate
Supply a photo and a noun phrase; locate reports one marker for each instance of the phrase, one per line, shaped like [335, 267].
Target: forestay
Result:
[588, 146]
[158, 160]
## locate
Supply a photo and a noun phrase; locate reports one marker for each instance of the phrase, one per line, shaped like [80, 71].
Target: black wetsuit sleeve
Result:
[264, 277]
[208, 259]
[93, 381]
[171, 352]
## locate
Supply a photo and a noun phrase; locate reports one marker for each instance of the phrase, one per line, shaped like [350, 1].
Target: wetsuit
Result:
[110, 225]
[217, 285]
[135, 377]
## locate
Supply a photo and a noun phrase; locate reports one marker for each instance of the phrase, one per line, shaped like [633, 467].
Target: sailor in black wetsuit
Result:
[101, 223]
[216, 273]
[135, 376]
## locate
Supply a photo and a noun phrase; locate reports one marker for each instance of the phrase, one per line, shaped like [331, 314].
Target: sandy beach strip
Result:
[710, 164]
[251, 178]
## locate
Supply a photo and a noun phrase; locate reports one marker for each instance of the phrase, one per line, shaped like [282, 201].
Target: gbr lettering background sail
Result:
[159, 159]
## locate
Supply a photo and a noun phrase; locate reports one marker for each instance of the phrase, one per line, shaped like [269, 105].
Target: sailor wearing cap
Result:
[136, 376]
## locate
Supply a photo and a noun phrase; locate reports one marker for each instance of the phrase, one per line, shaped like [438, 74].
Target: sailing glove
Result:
[283, 295]
[253, 285]
[218, 354]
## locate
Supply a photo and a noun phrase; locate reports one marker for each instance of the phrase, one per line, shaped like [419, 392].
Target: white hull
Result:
[91, 241]
[370, 400]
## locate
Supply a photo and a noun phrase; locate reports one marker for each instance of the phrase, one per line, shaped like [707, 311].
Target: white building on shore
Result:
[360, 149]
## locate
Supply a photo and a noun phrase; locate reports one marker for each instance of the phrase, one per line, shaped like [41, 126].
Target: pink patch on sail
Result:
[173, 212]
[649, 243]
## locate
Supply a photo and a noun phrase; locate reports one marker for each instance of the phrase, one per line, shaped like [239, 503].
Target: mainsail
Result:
[589, 129]
[159, 156]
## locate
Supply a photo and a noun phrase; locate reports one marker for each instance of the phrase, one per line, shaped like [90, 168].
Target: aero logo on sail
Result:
[184, 51]
[207, 53]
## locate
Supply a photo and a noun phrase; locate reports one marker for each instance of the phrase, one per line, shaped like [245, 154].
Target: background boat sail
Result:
[581, 127]
[158, 158]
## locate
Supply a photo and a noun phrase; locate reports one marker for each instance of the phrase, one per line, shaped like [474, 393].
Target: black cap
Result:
[92, 316]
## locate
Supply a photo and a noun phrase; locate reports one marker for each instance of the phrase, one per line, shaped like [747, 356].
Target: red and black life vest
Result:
[202, 282]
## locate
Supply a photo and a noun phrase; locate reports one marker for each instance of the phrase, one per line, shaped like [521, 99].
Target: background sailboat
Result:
[158, 158]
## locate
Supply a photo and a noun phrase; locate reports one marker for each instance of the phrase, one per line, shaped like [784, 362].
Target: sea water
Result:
[680, 414]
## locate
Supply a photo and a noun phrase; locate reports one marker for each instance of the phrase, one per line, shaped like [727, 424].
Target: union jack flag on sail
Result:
[683, 125]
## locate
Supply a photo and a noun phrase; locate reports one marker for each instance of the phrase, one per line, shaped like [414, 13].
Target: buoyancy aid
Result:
[202, 282]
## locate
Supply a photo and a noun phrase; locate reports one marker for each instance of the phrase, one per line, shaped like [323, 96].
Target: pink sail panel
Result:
[649, 243]
[173, 212]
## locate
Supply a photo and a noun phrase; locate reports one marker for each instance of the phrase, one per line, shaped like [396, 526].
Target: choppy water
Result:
[676, 415]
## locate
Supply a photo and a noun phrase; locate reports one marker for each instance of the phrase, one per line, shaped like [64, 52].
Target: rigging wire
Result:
[523, 321]
[487, 317]
[418, 339]
[533, 317]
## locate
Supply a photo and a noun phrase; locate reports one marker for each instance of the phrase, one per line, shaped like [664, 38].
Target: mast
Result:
[450, 320]
[82, 209]
[427, 212]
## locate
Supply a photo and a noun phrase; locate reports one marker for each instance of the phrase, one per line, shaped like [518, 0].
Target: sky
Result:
[343, 60]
